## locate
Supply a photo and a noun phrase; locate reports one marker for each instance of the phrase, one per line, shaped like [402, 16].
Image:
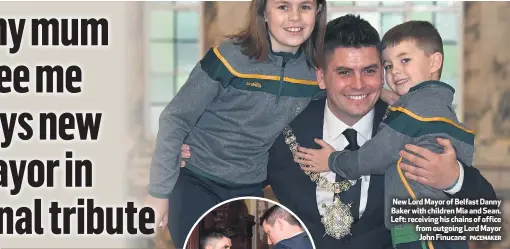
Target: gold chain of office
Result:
[337, 219]
[321, 181]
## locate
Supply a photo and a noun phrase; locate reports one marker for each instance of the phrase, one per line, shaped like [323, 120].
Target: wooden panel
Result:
[222, 18]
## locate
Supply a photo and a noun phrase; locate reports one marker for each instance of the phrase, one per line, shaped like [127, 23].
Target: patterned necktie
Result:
[353, 194]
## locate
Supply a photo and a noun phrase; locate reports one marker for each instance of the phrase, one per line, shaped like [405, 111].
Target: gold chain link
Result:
[321, 181]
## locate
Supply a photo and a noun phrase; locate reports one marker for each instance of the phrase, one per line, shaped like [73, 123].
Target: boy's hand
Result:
[314, 160]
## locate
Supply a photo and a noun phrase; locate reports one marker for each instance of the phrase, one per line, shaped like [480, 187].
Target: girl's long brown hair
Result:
[254, 41]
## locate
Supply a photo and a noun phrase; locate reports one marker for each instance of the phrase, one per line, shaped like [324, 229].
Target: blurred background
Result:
[168, 38]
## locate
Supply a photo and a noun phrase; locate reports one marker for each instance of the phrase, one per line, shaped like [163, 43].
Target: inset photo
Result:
[249, 223]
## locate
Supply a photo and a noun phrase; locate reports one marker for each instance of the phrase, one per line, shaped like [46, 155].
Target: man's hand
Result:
[185, 154]
[160, 207]
[439, 171]
[389, 96]
[314, 160]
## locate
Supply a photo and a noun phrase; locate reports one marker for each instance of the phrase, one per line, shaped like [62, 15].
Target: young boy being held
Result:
[412, 56]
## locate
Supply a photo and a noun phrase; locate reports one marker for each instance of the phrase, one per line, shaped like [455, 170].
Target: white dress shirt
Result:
[332, 134]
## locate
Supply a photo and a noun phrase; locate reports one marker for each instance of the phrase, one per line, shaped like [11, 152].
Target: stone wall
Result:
[487, 87]
[487, 94]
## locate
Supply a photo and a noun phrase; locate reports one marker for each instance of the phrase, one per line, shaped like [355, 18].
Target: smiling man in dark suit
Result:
[352, 75]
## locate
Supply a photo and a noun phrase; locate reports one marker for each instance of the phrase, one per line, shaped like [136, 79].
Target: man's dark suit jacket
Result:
[297, 192]
[300, 241]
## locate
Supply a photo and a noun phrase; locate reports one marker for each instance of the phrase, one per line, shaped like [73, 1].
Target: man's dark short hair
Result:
[275, 212]
[214, 233]
[425, 35]
[349, 31]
